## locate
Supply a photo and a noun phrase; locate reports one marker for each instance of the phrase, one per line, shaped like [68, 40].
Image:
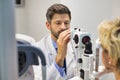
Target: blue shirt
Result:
[60, 69]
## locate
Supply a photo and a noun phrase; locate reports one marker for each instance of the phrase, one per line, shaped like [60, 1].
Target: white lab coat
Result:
[45, 44]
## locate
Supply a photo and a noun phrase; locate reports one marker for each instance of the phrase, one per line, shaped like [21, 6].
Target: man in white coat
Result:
[56, 47]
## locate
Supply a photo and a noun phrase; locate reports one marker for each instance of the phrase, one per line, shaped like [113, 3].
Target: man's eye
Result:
[58, 23]
[67, 23]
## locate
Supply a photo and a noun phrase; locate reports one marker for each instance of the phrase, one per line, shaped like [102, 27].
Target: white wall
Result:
[115, 8]
[31, 18]
[21, 19]
[86, 14]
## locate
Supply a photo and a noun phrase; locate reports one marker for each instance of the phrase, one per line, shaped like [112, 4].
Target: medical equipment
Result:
[28, 55]
[87, 64]
[84, 57]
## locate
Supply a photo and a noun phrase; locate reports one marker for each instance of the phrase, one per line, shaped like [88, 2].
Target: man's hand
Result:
[62, 42]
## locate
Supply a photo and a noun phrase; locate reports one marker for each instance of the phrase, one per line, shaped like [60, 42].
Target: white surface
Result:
[75, 78]
[27, 38]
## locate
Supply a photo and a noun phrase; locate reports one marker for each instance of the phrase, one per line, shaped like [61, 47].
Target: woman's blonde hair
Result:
[109, 33]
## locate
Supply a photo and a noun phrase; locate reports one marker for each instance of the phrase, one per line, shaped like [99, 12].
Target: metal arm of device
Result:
[85, 59]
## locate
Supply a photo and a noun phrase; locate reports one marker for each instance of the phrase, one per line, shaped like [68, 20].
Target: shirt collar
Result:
[54, 44]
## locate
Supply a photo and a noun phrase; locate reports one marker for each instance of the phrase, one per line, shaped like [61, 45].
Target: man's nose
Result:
[63, 26]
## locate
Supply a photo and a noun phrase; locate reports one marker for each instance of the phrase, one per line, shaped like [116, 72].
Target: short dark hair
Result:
[59, 9]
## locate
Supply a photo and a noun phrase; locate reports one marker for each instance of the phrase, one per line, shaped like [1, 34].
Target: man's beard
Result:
[56, 34]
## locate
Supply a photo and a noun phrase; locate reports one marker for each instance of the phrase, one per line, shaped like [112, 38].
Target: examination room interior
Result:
[29, 19]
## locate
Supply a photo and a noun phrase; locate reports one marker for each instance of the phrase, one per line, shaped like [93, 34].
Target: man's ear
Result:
[48, 25]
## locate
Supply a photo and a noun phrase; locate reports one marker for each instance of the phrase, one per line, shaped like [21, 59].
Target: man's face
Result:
[59, 23]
